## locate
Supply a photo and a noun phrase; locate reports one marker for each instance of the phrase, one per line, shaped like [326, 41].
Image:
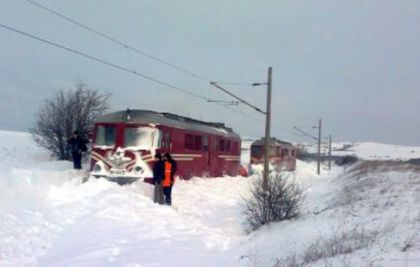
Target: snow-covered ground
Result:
[364, 215]
[376, 151]
[370, 150]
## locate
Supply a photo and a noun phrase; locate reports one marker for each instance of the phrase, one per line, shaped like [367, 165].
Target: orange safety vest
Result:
[167, 178]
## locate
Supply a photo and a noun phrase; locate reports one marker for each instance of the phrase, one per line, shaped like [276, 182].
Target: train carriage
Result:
[282, 154]
[124, 144]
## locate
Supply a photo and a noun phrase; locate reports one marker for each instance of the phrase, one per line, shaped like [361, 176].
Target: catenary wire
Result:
[234, 83]
[103, 61]
[116, 66]
[117, 41]
[127, 47]
[73, 21]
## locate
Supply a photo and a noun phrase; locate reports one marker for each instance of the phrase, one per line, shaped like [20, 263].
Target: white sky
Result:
[355, 64]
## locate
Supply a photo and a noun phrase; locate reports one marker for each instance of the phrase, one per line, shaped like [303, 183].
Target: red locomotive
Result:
[124, 144]
[282, 154]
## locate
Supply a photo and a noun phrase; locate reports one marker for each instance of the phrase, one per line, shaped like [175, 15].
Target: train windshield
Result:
[105, 135]
[142, 137]
[256, 150]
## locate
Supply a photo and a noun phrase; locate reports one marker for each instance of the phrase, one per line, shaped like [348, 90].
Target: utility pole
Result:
[267, 131]
[329, 154]
[267, 114]
[319, 147]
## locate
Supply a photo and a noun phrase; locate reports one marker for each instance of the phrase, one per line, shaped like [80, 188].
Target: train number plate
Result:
[117, 172]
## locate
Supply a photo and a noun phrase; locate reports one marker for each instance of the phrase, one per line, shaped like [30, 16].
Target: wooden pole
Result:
[319, 147]
[329, 154]
[267, 131]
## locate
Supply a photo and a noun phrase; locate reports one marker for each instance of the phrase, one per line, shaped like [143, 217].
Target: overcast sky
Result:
[355, 64]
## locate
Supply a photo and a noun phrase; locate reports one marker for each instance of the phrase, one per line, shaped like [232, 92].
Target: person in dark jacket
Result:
[169, 178]
[77, 146]
[158, 175]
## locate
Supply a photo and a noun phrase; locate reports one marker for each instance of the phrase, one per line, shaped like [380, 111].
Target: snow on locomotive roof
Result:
[168, 119]
[273, 141]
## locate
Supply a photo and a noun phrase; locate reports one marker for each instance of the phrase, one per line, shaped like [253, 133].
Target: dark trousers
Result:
[167, 191]
[77, 161]
[158, 194]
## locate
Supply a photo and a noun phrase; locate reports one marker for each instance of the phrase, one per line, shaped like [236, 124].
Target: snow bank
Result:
[48, 217]
[368, 215]
[25, 169]
[376, 151]
[246, 152]
[26, 177]
[371, 150]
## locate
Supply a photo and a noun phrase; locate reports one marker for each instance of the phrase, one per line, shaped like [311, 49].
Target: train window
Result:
[165, 140]
[105, 135]
[228, 146]
[284, 152]
[189, 142]
[256, 150]
[273, 151]
[197, 142]
[221, 145]
[293, 153]
[205, 143]
[141, 137]
[157, 138]
[235, 147]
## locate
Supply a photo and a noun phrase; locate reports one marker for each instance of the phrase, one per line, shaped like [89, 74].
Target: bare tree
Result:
[69, 110]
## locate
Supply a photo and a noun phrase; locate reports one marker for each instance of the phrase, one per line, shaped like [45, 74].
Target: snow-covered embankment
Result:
[365, 214]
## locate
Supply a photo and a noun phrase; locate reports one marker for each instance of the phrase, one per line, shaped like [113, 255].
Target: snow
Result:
[370, 150]
[246, 151]
[49, 217]
[382, 207]
[376, 151]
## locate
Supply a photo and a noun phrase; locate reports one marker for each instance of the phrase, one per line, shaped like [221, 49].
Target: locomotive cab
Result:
[121, 152]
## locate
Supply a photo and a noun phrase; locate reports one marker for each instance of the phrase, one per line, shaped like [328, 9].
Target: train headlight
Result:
[138, 170]
[97, 168]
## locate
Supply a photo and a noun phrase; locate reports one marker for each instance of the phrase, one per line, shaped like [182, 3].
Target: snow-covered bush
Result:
[325, 248]
[281, 201]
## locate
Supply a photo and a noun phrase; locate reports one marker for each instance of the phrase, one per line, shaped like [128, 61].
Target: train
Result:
[282, 154]
[125, 142]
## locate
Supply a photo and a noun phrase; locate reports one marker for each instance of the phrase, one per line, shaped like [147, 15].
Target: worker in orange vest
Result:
[169, 177]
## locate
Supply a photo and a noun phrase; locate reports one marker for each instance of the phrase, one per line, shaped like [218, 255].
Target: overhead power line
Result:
[234, 83]
[127, 46]
[104, 62]
[305, 133]
[122, 68]
[231, 103]
[236, 97]
[248, 116]
[133, 71]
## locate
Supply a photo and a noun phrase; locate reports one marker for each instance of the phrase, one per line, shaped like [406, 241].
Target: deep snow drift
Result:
[364, 215]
